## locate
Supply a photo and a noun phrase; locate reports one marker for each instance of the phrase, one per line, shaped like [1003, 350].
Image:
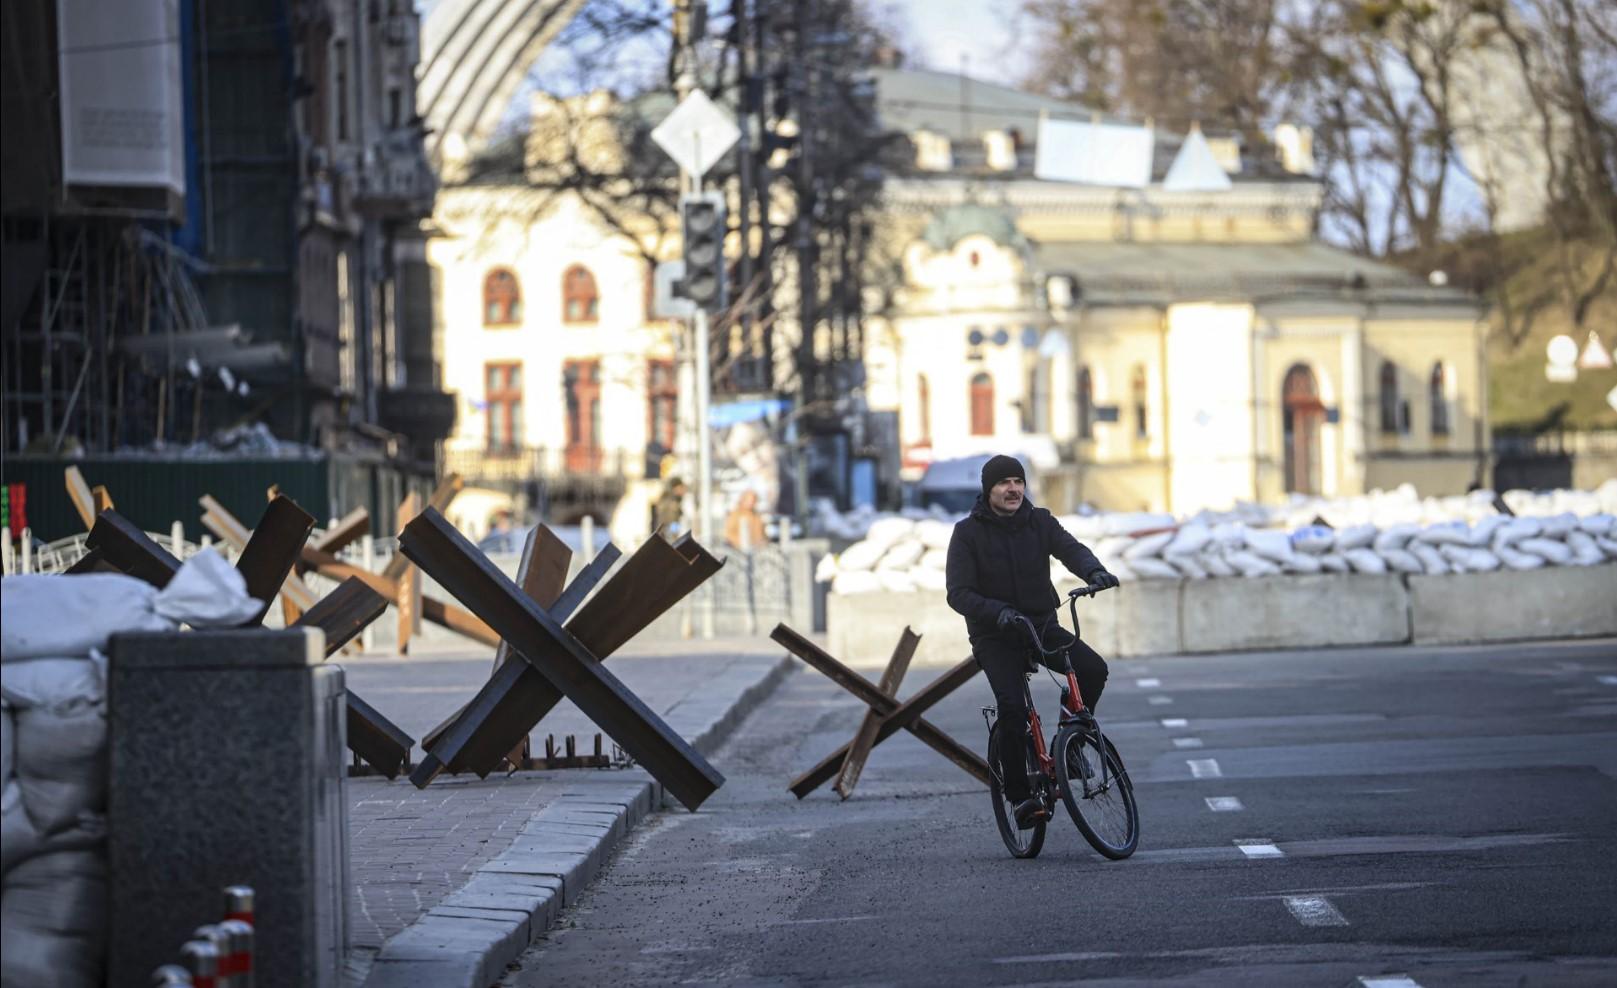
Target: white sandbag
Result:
[1607, 546]
[927, 578]
[861, 556]
[1188, 566]
[20, 839]
[1470, 560]
[904, 554]
[1585, 551]
[1513, 558]
[1557, 526]
[826, 569]
[1216, 565]
[61, 764]
[934, 534]
[855, 581]
[1355, 537]
[1393, 537]
[886, 531]
[1134, 522]
[1601, 524]
[1147, 546]
[1482, 532]
[1301, 562]
[53, 921]
[60, 685]
[937, 559]
[1153, 568]
[1313, 540]
[896, 581]
[1515, 530]
[1334, 562]
[1401, 560]
[8, 738]
[1190, 539]
[1365, 560]
[1553, 551]
[1443, 533]
[1229, 535]
[1274, 546]
[1251, 564]
[52, 615]
[1431, 560]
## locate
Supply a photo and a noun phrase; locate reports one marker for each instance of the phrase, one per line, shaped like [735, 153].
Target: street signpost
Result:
[696, 135]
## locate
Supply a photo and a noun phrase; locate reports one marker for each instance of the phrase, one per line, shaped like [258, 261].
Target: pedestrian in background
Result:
[744, 526]
[668, 518]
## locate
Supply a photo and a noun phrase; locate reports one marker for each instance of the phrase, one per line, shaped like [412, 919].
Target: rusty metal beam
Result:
[267, 559]
[125, 547]
[344, 613]
[895, 716]
[433, 544]
[865, 738]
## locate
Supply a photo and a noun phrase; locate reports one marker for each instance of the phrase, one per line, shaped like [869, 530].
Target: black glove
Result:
[1007, 616]
[1101, 578]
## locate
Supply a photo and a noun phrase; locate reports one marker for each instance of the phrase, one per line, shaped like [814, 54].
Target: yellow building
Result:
[1156, 348]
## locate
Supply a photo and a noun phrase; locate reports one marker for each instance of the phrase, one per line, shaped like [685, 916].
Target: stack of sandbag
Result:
[53, 675]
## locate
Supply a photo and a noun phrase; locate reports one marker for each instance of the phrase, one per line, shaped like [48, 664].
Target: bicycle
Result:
[1080, 765]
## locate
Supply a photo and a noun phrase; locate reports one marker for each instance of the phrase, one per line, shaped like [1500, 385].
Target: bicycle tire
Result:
[1021, 843]
[1100, 803]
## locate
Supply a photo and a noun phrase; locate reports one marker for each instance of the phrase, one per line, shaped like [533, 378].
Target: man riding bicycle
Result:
[998, 572]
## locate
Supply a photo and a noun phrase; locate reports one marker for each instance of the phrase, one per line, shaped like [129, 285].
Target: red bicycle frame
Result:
[1072, 707]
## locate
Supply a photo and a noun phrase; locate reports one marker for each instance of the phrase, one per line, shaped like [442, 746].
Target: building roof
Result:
[958, 106]
[1152, 273]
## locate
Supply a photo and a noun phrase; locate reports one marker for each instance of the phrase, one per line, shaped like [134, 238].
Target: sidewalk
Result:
[451, 883]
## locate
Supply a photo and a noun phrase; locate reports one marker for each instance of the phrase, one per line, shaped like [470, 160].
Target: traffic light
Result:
[702, 225]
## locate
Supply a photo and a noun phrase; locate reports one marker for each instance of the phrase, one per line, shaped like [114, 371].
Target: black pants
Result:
[1004, 658]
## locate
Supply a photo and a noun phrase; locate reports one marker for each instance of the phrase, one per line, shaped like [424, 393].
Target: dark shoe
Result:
[1030, 812]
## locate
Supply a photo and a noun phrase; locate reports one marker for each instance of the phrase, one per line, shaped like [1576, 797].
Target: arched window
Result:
[923, 394]
[502, 299]
[1440, 400]
[1137, 392]
[1302, 413]
[982, 405]
[580, 302]
[1389, 398]
[1086, 404]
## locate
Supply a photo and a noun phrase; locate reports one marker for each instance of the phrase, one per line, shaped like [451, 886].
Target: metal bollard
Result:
[238, 960]
[172, 976]
[201, 958]
[220, 940]
[239, 902]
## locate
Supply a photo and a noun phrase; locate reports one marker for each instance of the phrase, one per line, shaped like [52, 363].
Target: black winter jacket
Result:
[997, 561]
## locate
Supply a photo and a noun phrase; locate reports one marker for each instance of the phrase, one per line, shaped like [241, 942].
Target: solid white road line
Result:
[1204, 768]
[1314, 910]
[1187, 742]
[1259, 849]
[1172, 722]
[1388, 981]
[1160, 701]
[1148, 684]
[1225, 804]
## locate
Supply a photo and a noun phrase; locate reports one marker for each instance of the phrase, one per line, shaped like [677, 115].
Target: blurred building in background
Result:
[1175, 338]
[214, 217]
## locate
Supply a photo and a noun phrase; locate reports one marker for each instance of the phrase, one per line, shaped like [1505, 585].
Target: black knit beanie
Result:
[999, 468]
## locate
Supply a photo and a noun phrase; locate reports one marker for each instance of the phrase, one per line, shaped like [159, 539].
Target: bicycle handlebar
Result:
[1088, 590]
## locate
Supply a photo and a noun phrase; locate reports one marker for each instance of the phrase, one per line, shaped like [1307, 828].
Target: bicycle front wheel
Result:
[1021, 843]
[1097, 793]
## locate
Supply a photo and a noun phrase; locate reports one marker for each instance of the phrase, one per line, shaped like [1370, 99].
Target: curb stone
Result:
[470, 937]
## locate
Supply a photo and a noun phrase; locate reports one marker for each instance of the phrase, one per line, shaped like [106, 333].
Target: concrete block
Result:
[1294, 612]
[1145, 615]
[861, 629]
[227, 768]
[439, 969]
[1554, 602]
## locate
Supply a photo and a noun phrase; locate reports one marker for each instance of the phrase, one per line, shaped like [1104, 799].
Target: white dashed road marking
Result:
[1160, 701]
[1171, 722]
[1315, 910]
[1225, 804]
[1204, 768]
[1389, 981]
[1259, 849]
[1187, 742]
[1148, 684]
[1606, 680]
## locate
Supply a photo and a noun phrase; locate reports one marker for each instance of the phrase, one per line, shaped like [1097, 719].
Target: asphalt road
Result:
[1436, 817]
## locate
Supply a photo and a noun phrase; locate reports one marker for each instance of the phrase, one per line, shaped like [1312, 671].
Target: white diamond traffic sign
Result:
[1611, 399]
[696, 134]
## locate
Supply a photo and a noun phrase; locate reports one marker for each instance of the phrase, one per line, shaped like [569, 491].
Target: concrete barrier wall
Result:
[1163, 617]
[1565, 602]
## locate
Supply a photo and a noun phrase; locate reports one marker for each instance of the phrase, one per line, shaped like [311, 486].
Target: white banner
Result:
[1094, 153]
[123, 119]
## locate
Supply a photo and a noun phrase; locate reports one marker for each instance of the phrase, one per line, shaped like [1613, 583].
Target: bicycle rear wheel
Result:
[1097, 793]
[1021, 843]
